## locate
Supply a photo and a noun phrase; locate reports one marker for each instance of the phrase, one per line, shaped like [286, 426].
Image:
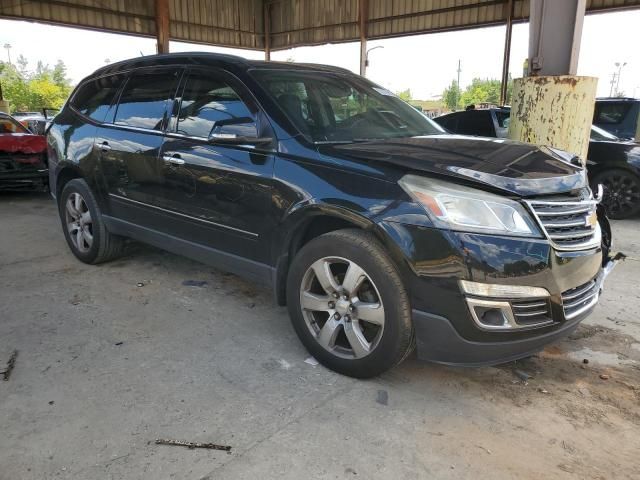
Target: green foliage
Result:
[45, 87]
[480, 91]
[405, 95]
[451, 96]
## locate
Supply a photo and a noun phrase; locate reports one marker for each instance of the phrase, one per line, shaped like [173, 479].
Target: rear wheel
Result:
[348, 304]
[83, 227]
[621, 197]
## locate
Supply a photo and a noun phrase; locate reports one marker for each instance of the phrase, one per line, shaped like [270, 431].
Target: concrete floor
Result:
[105, 367]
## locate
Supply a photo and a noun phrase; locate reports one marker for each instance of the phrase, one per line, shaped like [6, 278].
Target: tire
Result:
[621, 192]
[83, 227]
[372, 331]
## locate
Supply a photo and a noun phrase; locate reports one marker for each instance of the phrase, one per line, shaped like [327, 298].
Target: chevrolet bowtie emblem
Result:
[591, 220]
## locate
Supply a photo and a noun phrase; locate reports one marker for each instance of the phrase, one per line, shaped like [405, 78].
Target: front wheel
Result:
[348, 304]
[621, 192]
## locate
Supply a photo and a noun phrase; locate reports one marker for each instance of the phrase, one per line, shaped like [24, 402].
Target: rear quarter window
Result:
[611, 113]
[95, 97]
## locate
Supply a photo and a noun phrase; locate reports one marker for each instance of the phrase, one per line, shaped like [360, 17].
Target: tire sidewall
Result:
[80, 186]
[389, 350]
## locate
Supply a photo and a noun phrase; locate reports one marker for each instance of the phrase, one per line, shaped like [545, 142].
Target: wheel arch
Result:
[309, 222]
[66, 172]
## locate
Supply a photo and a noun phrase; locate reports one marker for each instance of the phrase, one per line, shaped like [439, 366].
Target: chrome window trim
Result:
[220, 225]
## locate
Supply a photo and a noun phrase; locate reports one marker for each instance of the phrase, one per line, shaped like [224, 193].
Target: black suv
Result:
[376, 229]
[618, 116]
[611, 162]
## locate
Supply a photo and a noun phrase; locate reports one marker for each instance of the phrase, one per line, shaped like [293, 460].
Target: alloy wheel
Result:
[79, 222]
[342, 307]
[621, 193]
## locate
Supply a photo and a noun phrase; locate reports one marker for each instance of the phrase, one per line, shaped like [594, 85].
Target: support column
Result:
[507, 54]
[553, 106]
[162, 26]
[363, 18]
[267, 30]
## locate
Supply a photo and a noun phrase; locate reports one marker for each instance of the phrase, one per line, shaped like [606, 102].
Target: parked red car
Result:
[23, 157]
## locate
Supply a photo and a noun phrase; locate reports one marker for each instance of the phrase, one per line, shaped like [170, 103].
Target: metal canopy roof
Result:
[290, 23]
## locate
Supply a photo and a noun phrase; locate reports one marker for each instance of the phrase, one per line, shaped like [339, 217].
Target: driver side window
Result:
[208, 99]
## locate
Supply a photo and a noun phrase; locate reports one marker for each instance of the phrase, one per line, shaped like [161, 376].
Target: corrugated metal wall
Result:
[309, 22]
[235, 23]
[239, 23]
[113, 15]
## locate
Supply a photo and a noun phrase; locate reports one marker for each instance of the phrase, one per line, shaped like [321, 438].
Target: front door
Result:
[220, 195]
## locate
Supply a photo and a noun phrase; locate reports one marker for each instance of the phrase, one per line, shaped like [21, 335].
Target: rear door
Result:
[218, 195]
[129, 143]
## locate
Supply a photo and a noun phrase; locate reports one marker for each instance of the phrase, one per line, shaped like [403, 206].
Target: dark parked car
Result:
[611, 162]
[618, 116]
[379, 231]
[23, 161]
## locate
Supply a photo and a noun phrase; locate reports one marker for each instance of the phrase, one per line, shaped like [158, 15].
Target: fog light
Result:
[491, 314]
[493, 317]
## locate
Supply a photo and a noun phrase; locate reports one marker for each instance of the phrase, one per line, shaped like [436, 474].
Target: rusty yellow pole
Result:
[552, 105]
[555, 111]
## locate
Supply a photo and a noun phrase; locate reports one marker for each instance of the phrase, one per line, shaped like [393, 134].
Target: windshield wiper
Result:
[332, 142]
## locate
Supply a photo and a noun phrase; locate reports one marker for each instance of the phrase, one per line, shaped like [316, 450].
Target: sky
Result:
[425, 64]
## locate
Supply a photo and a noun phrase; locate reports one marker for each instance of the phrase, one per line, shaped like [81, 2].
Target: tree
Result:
[45, 87]
[451, 96]
[485, 91]
[405, 95]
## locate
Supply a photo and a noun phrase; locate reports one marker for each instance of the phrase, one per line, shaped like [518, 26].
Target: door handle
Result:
[105, 147]
[173, 159]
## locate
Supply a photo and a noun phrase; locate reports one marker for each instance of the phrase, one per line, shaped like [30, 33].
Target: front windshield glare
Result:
[329, 107]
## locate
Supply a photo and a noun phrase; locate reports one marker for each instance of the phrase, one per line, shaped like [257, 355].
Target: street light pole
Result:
[8, 47]
[458, 85]
[619, 65]
[366, 58]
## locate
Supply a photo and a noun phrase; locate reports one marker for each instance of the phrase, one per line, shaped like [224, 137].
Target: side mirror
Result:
[237, 131]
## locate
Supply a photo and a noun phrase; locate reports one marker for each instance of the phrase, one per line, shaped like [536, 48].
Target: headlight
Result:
[467, 209]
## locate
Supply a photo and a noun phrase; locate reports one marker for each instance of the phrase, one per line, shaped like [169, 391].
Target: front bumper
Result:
[437, 261]
[23, 172]
[438, 341]
[38, 180]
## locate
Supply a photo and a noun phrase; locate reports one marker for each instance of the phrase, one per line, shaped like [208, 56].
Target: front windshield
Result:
[329, 108]
[598, 133]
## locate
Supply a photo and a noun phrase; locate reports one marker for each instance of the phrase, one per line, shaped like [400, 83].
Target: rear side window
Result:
[611, 113]
[476, 122]
[449, 122]
[144, 100]
[207, 99]
[95, 97]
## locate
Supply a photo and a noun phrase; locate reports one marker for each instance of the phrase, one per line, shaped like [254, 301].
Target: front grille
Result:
[528, 312]
[569, 225]
[580, 299]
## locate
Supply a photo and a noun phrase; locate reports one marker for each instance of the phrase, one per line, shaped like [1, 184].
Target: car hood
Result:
[517, 168]
[24, 143]
[604, 151]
